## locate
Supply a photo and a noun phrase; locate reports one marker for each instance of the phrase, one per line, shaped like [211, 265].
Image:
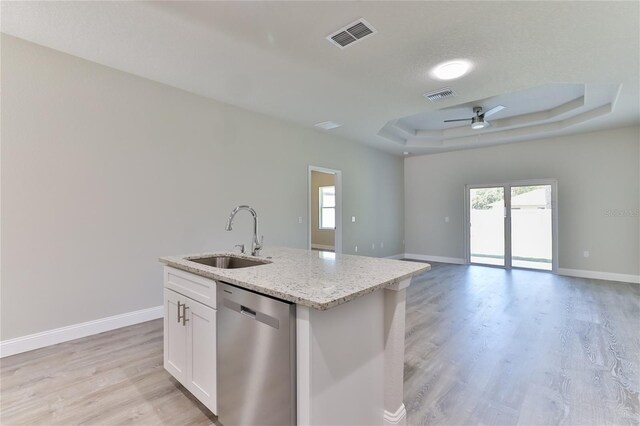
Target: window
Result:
[327, 207]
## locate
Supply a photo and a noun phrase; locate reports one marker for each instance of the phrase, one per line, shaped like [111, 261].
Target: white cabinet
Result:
[175, 336]
[201, 353]
[190, 339]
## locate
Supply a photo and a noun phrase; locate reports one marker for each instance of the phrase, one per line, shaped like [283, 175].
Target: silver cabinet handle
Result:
[182, 317]
[179, 316]
[184, 314]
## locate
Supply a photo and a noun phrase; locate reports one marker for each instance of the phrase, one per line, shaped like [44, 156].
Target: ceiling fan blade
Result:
[493, 110]
[458, 119]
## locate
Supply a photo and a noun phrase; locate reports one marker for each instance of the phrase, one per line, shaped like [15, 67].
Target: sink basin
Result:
[228, 262]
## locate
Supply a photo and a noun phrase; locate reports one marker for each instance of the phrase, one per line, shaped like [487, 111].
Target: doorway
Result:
[512, 225]
[325, 209]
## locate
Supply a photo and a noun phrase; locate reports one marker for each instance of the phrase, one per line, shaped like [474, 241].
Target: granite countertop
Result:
[320, 280]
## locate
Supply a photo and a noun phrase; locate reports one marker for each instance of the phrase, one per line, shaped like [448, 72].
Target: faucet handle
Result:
[257, 246]
[241, 247]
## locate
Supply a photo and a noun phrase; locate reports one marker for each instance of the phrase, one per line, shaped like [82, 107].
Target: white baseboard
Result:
[395, 256]
[398, 418]
[430, 258]
[597, 275]
[610, 276]
[321, 247]
[76, 331]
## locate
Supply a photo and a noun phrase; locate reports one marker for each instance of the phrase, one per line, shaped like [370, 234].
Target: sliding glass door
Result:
[512, 224]
[531, 227]
[487, 226]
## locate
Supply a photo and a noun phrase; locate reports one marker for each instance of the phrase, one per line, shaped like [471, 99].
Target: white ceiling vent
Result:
[440, 94]
[352, 33]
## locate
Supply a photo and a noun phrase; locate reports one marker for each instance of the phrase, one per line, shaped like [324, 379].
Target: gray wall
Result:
[103, 172]
[596, 172]
[323, 237]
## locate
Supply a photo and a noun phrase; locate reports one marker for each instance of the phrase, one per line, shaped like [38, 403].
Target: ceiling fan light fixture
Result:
[478, 123]
[451, 70]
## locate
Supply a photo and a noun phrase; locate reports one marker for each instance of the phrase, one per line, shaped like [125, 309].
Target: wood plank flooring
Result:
[483, 346]
[490, 346]
[111, 378]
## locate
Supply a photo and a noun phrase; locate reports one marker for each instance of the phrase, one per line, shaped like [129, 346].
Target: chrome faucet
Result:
[256, 245]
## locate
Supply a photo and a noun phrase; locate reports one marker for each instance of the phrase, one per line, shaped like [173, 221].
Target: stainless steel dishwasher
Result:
[256, 358]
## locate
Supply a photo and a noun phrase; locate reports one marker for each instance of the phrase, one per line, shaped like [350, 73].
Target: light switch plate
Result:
[353, 218]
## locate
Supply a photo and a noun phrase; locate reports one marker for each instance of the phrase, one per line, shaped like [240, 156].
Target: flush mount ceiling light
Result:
[452, 69]
[328, 125]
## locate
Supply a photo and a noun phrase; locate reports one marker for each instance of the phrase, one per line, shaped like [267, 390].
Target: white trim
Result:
[579, 273]
[397, 418]
[303, 365]
[429, 258]
[598, 275]
[396, 256]
[71, 332]
[321, 247]
[338, 184]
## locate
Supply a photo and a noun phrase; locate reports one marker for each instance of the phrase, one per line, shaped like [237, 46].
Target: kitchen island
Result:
[349, 326]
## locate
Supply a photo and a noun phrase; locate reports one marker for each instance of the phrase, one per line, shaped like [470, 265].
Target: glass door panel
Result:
[531, 227]
[486, 217]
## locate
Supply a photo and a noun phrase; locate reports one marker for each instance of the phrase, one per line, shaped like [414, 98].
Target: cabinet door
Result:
[201, 352]
[175, 337]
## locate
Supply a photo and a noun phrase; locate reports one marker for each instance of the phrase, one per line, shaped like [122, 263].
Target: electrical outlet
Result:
[356, 249]
[381, 244]
[299, 219]
[353, 218]
[586, 253]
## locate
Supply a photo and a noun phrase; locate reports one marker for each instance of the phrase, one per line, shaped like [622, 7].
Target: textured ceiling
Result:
[272, 57]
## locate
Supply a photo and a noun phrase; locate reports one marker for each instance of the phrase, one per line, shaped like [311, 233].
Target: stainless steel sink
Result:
[228, 262]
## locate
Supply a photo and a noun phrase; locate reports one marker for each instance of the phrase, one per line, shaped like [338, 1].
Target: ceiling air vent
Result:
[440, 94]
[352, 33]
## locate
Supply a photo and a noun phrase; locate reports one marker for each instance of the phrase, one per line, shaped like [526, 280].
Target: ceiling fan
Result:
[478, 122]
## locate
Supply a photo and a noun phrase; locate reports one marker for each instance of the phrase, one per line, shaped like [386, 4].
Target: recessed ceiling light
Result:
[452, 69]
[328, 125]
[406, 153]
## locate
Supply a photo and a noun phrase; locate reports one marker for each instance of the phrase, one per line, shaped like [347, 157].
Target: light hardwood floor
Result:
[490, 346]
[484, 346]
[111, 378]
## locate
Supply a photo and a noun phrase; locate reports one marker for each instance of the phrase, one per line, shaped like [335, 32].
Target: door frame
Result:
[338, 183]
[507, 220]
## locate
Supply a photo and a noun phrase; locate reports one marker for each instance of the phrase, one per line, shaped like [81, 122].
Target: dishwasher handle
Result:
[252, 314]
[247, 311]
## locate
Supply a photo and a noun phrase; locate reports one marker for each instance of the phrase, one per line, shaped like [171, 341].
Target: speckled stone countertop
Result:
[320, 280]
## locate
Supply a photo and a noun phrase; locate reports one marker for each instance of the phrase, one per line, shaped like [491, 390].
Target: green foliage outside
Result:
[483, 198]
